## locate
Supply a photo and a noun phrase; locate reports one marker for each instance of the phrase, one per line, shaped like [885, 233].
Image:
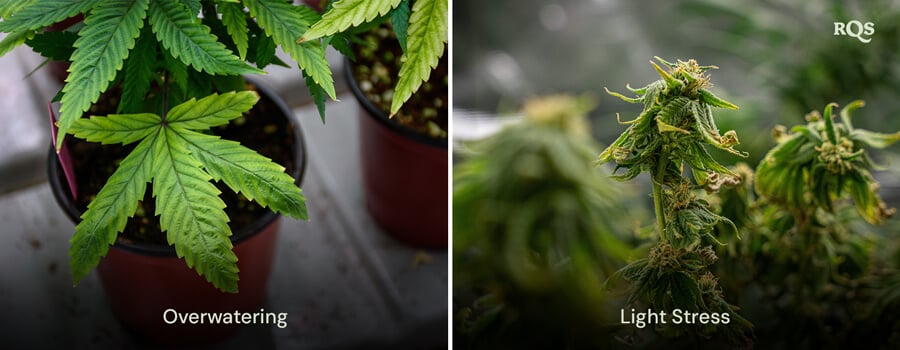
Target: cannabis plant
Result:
[672, 132]
[815, 164]
[175, 69]
[533, 235]
[420, 26]
[807, 180]
[812, 270]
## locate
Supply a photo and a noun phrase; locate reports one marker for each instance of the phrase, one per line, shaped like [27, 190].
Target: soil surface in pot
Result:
[376, 68]
[263, 129]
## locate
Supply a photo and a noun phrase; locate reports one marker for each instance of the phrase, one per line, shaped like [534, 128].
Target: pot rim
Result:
[382, 118]
[61, 191]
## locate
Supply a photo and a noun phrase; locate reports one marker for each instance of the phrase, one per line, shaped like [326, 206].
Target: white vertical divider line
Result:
[450, 175]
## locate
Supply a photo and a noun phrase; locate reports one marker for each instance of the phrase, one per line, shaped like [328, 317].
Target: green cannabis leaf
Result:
[191, 213]
[108, 213]
[192, 5]
[139, 73]
[43, 13]
[285, 23]
[14, 39]
[318, 94]
[263, 50]
[425, 45]
[400, 22]
[235, 21]
[422, 32]
[110, 30]
[9, 7]
[57, 46]
[348, 13]
[820, 162]
[188, 40]
[177, 71]
[180, 162]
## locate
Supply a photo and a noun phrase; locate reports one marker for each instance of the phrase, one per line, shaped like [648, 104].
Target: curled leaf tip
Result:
[665, 127]
[848, 109]
[627, 122]
[828, 108]
[671, 82]
[714, 100]
[663, 61]
[659, 69]
[622, 97]
[730, 138]
[637, 91]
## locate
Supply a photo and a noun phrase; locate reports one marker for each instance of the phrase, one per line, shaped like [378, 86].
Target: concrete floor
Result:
[343, 283]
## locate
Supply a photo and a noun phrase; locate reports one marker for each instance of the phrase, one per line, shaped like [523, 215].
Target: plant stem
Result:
[657, 181]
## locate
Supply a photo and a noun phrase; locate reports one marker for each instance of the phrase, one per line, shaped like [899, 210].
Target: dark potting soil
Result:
[263, 129]
[376, 67]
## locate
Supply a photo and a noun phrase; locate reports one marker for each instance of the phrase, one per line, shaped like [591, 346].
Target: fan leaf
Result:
[425, 46]
[193, 6]
[12, 40]
[285, 23]
[191, 212]
[400, 22]
[213, 110]
[348, 13]
[57, 46]
[191, 42]
[318, 94]
[43, 13]
[235, 21]
[139, 73]
[109, 211]
[247, 172]
[116, 128]
[8, 7]
[109, 33]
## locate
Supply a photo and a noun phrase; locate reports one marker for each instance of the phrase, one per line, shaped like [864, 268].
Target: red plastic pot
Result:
[404, 175]
[141, 286]
[142, 280]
